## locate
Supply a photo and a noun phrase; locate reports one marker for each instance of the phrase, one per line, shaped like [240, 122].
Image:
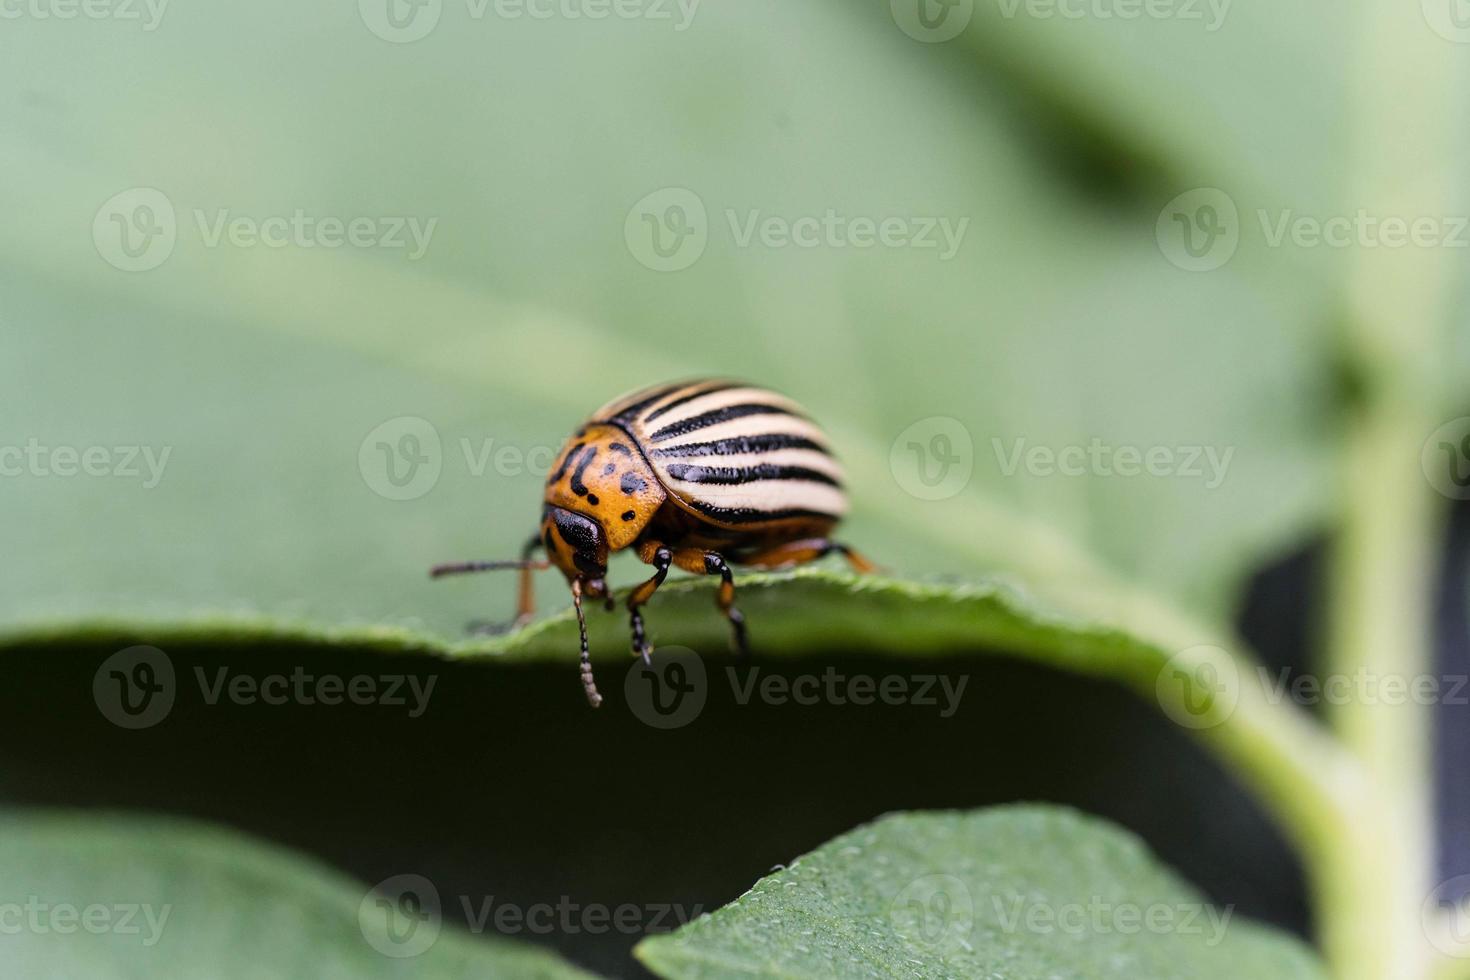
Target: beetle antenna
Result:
[589, 686]
[461, 567]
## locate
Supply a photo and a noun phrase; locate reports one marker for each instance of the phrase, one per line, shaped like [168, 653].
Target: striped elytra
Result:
[699, 475]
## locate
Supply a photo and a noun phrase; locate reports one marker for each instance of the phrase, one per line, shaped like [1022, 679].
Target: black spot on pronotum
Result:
[578, 487]
[618, 447]
[632, 483]
[609, 469]
[566, 461]
[592, 499]
[628, 515]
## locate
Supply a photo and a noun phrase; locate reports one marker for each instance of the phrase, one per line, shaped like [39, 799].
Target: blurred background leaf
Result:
[112, 895]
[1057, 321]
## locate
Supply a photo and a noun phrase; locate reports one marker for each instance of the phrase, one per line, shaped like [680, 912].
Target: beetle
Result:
[699, 475]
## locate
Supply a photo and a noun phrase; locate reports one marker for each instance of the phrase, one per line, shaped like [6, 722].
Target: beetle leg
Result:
[715, 564]
[659, 557]
[808, 549]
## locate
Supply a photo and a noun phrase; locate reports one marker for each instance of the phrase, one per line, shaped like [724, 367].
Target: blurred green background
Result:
[527, 143]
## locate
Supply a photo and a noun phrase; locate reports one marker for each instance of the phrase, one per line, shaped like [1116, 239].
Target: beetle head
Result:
[576, 544]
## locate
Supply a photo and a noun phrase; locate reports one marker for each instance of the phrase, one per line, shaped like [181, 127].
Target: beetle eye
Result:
[579, 538]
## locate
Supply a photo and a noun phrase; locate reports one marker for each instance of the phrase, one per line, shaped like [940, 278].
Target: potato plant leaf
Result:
[1021, 892]
[119, 896]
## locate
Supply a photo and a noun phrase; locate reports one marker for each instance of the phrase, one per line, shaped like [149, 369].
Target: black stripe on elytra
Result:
[566, 461]
[631, 412]
[747, 474]
[752, 515]
[578, 487]
[698, 392]
[740, 445]
[715, 417]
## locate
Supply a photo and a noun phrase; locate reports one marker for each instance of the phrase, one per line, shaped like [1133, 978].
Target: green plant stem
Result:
[1408, 121]
[1374, 880]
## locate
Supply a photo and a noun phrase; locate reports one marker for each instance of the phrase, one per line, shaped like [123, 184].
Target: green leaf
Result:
[1020, 892]
[264, 371]
[119, 896]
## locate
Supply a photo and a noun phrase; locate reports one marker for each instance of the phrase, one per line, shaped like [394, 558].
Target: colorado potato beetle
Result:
[699, 475]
